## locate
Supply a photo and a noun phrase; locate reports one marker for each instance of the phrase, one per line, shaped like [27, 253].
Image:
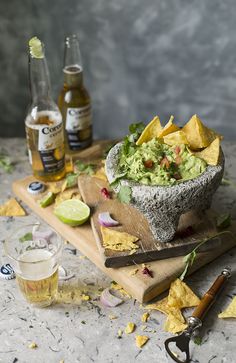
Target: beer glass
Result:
[34, 252]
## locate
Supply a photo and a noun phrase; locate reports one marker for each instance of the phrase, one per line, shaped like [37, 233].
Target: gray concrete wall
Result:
[141, 58]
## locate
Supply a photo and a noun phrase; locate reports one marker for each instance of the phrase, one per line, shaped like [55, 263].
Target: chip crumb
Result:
[82, 257]
[145, 317]
[143, 327]
[112, 317]
[129, 328]
[133, 272]
[141, 340]
[32, 345]
[119, 333]
[85, 297]
[119, 288]
[62, 361]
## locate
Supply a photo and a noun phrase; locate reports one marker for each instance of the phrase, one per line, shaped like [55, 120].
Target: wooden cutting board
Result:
[133, 222]
[141, 287]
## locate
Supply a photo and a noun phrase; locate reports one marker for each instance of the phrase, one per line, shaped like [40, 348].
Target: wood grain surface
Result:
[140, 286]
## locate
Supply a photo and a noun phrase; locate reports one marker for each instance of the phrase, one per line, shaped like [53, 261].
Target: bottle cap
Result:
[36, 187]
[7, 272]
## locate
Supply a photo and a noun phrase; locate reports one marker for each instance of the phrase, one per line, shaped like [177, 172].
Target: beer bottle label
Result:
[50, 147]
[50, 137]
[77, 119]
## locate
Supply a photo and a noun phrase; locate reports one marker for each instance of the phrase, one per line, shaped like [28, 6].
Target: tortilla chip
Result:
[150, 131]
[71, 193]
[230, 311]
[11, 209]
[118, 241]
[54, 187]
[100, 174]
[169, 128]
[174, 325]
[181, 296]
[211, 153]
[176, 138]
[198, 135]
[165, 308]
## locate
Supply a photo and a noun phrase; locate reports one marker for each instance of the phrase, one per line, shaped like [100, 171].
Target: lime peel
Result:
[47, 200]
[72, 212]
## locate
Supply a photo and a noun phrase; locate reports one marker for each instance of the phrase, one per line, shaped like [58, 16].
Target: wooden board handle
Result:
[211, 295]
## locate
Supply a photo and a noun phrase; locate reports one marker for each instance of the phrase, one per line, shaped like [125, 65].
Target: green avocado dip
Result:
[155, 163]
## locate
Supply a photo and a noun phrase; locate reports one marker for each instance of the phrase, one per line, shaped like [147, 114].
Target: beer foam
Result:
[31, 269]
[31, 119]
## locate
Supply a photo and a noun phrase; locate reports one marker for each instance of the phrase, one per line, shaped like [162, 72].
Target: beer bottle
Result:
[74, 101]
[43, 123]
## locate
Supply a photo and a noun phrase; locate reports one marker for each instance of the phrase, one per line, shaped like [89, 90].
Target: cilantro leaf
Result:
[107, 149]
[84, 168]
[27, 237]
[71, 180]
[136, 127]
[223, 221]
[197, 340]
[124, 195]
[5, 163]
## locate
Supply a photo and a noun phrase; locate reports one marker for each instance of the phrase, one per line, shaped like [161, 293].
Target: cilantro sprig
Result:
[125, 194]
[190, 257]
[5, 163]
[228, 182]
[129, 145]
[128, 148]
[84, 168]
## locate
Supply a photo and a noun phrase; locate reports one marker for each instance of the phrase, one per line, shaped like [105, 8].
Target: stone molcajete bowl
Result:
[163, 205]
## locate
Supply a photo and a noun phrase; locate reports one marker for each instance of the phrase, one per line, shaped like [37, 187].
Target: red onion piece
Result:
[42, 235]
[109, 300]
[105, 220]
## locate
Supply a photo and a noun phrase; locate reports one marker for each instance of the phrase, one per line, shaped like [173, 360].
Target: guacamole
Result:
[155, 163]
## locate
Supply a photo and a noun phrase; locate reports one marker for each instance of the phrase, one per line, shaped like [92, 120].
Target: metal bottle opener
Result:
[195, 321]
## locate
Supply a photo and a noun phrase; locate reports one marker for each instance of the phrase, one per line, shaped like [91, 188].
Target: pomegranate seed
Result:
[148, 272]
[105, 193]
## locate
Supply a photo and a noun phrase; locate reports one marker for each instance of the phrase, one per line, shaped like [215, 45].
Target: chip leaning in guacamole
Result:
[155, 163]
[169, 155]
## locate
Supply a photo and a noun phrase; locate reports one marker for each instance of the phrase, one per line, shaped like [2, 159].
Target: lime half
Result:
[36, 49]
[72, 212]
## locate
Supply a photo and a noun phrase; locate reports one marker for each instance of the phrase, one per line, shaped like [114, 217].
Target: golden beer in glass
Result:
[34, 252]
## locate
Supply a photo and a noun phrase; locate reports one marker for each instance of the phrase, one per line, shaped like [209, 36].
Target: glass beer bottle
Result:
[74, 101]
[43, 123]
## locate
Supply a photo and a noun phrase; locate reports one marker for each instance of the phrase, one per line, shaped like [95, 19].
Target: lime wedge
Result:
[35, 47]
[72, 212]
[47, 200]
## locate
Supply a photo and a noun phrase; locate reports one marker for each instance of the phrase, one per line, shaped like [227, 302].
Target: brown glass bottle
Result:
[74, 101]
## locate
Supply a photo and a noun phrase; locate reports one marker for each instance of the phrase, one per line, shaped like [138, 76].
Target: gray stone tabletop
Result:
[83, 331]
